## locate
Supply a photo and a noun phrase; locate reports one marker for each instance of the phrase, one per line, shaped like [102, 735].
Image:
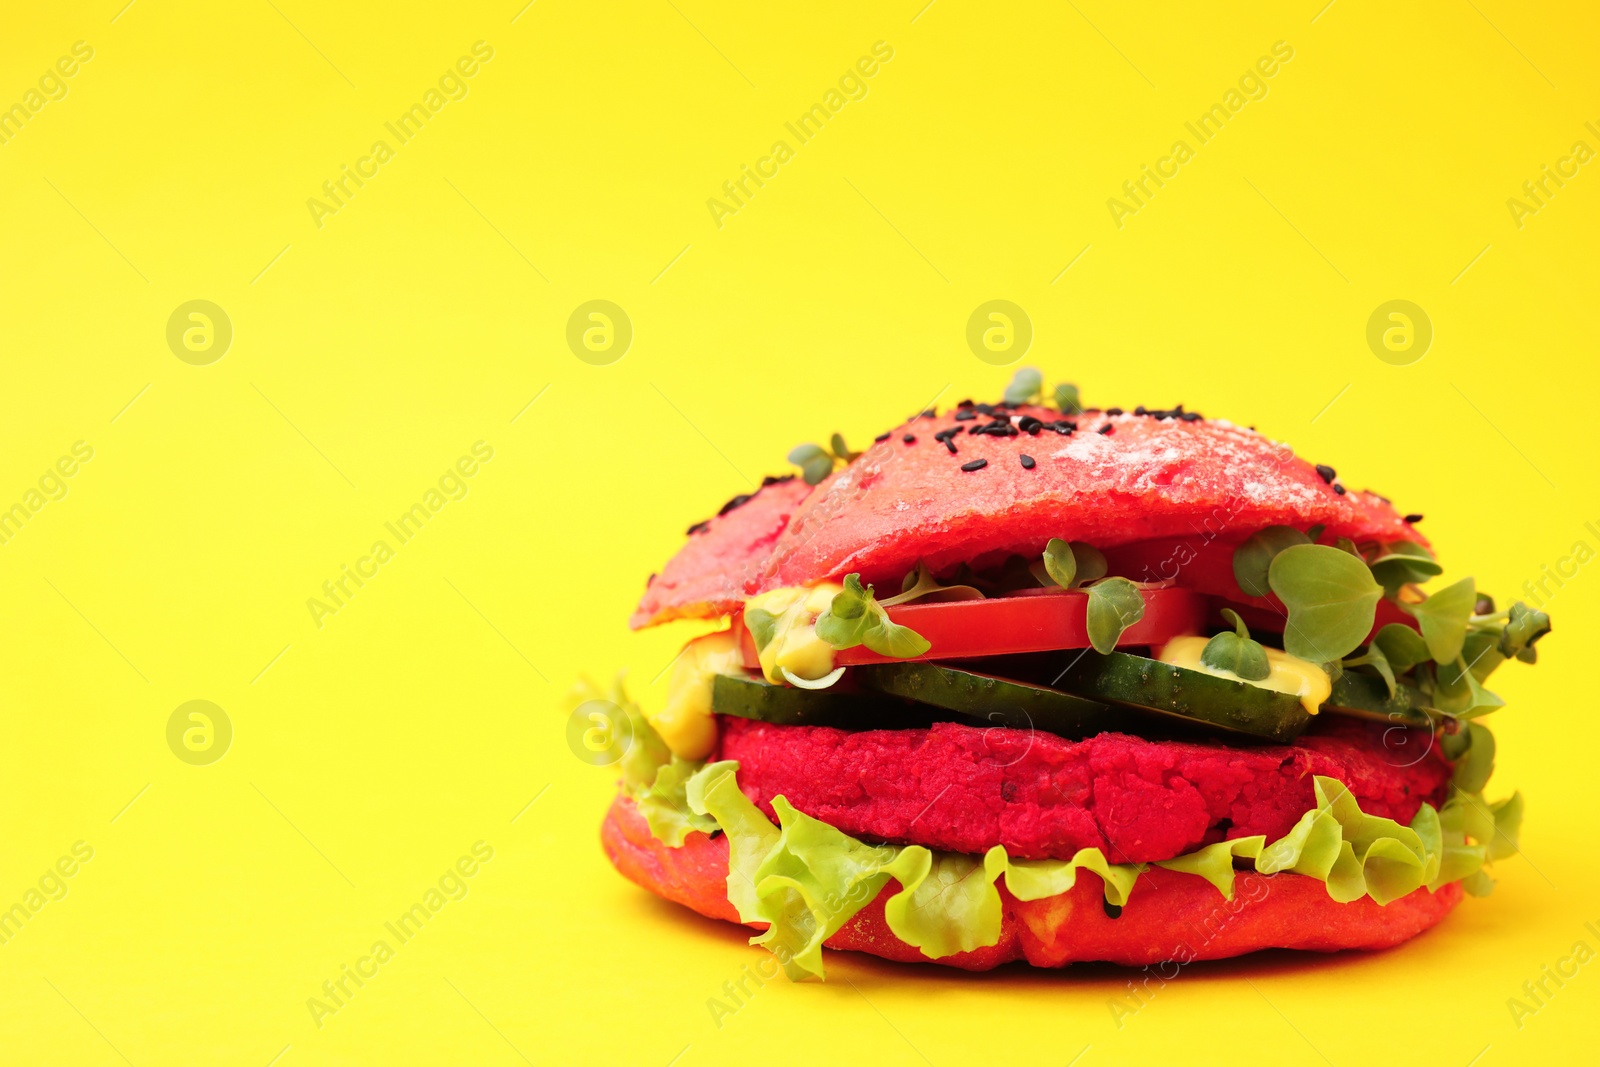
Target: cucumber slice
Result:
[756, 698]
[1365, 697]
[1189, 696]
[989, 699]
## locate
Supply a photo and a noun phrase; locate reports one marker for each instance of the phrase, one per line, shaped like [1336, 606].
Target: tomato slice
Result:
[1034, 621]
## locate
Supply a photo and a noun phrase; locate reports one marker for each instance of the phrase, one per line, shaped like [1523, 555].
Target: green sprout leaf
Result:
[1402, 646]
[1481, 651]
[1091, 562]
[1071, 564]
[1114, 605]
[1253, 558]
[1331, 598]
[1457, 692]
[1236, 652]
[855, 618]
[845, 622]
[896, 641]
[1060, 563]
[1374, 657]
[763, 626]
[1404, 563]
[814, 462]
[840, 449]
[1443, 618]
[1067, 401]
[1025, 385]
[921, 583]
[1524, 626]
[1474, 766]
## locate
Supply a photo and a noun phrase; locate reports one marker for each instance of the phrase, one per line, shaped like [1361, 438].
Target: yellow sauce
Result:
[685, 722]
[1291, 675]
[795, 646]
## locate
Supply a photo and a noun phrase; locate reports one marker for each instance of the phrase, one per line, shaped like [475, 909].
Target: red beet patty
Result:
[966, 789]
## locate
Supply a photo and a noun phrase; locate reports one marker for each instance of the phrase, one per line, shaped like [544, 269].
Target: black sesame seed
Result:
[1113, 411]
[699, 527]
[1339, 489]
[1328, 473]
[1191, 416]
[1413, 518]
[1113, 911]
[733, 503]
[910, 438]
[1106, 429]
[882, 437]
[1141, 410]
[975, 465]
[770, 480]
[965, 414]
[951, 445]
[1027, 463]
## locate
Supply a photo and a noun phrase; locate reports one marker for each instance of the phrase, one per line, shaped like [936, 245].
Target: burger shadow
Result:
[869, 971]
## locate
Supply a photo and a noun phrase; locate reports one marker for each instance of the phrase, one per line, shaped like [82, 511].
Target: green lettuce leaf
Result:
[715, 792]
[949, 903]
[665, 804]
[1037, 879]
[1214, 863]
[806, 879]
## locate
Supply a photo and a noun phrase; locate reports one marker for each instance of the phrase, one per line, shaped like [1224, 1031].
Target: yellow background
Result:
[370, 353]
